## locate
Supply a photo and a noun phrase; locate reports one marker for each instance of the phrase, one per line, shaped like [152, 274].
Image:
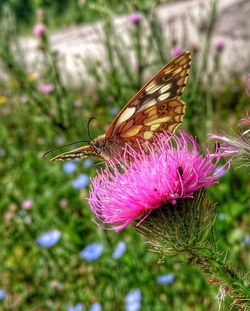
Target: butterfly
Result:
[157, 107]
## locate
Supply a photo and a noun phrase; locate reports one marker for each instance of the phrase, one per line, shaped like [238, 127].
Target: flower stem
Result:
[220, 273]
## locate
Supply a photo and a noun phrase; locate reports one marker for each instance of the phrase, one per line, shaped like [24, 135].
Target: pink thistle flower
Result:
[135, 18]
[245, 121]
[236, 147]
[176, 52]
[168, 170]
[219, 45]
[45, 88]
[27, 204]
[228, 145]
[39, 30]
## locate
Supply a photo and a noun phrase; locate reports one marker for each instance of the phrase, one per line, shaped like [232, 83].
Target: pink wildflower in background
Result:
[39, 30]
[45, 88]
[170, 169]
[41, 141]
[40, 13]
[63, 203]
[24, 99]
[135, 18]
[228, 145]
[245, 121]
[219, 45]
[248, 84]
[237, 147]
[27, 204]
[77, 103]
[176, 52]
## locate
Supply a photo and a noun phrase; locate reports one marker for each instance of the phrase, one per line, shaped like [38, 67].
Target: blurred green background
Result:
[53, 256]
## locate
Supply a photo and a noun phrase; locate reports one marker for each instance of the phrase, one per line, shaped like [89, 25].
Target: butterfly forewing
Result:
[156, 107]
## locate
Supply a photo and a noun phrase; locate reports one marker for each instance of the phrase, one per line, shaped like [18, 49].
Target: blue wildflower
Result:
[81, 181]
[59, 140]
[92, 251]
[165, 279]
[87, 163]
[2, 152]
[247, 240]
[2, 294]
[69, 167]
[221, 216]
[95, 307]
[119, 250]
[133, 300]
[114, 110]
[49, 238]
[77, 307]
[27, 220]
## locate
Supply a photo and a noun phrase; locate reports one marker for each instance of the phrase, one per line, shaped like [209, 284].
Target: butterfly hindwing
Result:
[78, 153]
[156, 107]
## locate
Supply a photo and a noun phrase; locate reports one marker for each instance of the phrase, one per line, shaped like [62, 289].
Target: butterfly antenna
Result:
[54, 149]
[89, 128]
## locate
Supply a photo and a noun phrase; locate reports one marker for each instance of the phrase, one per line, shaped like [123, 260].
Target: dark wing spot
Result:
[167, 76]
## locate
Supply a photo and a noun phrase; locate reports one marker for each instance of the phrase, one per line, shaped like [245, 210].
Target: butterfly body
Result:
[157, 107]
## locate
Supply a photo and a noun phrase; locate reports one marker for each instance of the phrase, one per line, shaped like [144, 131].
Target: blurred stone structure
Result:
[77, 44]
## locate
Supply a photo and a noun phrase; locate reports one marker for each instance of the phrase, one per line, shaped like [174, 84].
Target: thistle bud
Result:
[170, 229]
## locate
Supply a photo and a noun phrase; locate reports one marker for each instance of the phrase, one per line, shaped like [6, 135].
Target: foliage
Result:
[65, 12]
[35, 118]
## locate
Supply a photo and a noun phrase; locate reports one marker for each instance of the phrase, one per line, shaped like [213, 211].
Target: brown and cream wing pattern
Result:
[156, 107]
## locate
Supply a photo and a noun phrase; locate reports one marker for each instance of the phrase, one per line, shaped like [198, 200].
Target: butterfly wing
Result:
[156, 107]
[78, 153]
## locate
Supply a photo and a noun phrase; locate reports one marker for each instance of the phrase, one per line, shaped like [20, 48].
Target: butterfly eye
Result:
[97, 147]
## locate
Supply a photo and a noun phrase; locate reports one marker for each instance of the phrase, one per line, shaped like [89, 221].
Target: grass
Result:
[68, 12]
[38, 278]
